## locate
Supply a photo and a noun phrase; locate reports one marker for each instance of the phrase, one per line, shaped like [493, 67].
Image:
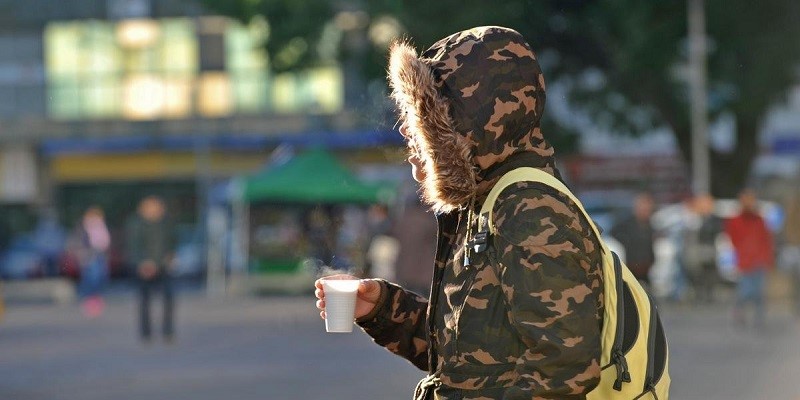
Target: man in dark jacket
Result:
[635, 233]
[527, 326]
[151, 242]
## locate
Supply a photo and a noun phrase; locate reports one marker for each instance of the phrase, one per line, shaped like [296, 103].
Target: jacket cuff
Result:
[379, 305]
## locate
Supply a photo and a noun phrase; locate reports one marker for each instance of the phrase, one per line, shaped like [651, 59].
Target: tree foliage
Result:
[753, 57]
[295, 26]
[624, 60]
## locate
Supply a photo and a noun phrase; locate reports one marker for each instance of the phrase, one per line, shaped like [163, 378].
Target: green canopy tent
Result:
[314, 177]
[311, 178]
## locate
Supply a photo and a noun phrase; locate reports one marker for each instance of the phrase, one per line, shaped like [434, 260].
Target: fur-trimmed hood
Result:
[470, 102]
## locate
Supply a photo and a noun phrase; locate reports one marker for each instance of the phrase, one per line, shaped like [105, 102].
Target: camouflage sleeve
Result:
[398, 323]
[550, 273]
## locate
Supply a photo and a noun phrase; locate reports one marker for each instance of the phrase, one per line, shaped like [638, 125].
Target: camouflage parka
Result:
[525, 323]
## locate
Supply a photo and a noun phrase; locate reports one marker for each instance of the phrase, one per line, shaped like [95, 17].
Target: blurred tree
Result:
[306, 33]
[295, 27]
[624, 61]
[640, 81]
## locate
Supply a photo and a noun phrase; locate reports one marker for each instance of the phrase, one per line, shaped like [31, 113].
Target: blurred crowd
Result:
[701, 251]
[691, 252]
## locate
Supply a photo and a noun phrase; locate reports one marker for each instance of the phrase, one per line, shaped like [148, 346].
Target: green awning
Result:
[312, 177]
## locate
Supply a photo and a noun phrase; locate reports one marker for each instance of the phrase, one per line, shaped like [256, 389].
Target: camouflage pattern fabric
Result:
[523, 319]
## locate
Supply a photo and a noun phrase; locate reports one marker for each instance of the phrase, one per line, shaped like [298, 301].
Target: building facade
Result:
[105, 101]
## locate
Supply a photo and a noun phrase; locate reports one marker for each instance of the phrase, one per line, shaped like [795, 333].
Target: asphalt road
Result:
[276, 348]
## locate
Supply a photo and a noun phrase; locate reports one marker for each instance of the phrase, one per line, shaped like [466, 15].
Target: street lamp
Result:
[701, 173]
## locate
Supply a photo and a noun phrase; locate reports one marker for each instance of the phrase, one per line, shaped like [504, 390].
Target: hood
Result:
[471, 104]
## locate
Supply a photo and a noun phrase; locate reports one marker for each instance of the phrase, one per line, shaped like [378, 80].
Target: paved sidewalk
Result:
[713, 359]
[276, 348]
[266, 348]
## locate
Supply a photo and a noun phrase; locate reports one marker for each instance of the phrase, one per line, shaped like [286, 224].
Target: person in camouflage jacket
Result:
[528, 325]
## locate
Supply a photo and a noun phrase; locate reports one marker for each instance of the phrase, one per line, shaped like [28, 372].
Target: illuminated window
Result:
[214, 94]
[82, 63]
[133, 69]
[145, 69]
[316, 91]
[178, 95]
[248, 67]
[143, 97]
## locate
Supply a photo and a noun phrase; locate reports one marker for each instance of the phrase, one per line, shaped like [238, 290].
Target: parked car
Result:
[21, 260]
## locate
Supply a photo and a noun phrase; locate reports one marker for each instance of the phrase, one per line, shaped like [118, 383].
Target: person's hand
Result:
[369, 291]
[147, 269]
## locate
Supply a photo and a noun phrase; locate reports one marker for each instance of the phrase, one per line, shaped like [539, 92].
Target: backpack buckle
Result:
[480, 242]
[477, 244]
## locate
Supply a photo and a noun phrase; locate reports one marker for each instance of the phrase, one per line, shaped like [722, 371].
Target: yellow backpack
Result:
[634, 348]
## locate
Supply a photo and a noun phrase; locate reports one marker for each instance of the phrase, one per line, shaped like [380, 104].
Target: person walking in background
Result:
[699, 247]
[753, 246]
[89, 243]
[151, 242]
[382, 246]
[416, 236]
[675, 233]
[635, 233]
[790, 254]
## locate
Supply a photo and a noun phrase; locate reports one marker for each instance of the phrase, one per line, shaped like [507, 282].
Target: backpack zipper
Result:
[649, 385]
[651, 389]
[434, 297]
[617, 356]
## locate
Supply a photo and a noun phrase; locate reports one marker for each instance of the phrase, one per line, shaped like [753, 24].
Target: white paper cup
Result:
[340, 304]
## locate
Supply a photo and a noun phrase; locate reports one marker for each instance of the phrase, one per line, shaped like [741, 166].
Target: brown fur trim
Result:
[450, 179]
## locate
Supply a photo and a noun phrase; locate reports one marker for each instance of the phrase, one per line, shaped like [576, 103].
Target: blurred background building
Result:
[103, 102]
[157, 85]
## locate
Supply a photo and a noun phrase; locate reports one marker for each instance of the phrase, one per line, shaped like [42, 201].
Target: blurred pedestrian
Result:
[382, 256]
[635, 233]
[89, 243]
[753, 246]
[675, 233]
[378, 220]
[415, 231]
[382, 248]
[151, 246]
[790, 254]
[526, 324]
[699, 249]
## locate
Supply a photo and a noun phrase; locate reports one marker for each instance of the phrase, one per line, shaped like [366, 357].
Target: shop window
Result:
[317, 91]
[144, 69]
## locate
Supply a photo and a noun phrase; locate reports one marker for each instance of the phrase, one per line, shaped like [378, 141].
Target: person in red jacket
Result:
[753, 245]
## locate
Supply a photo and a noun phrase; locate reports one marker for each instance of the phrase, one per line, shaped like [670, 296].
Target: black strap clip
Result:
[479, 243]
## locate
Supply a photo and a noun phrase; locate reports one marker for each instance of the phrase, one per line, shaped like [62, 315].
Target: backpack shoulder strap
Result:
[533, 175]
